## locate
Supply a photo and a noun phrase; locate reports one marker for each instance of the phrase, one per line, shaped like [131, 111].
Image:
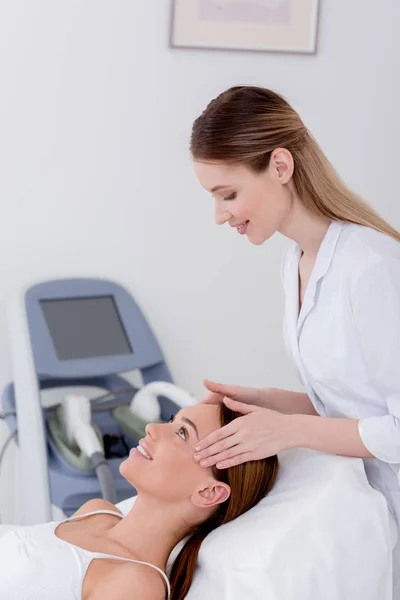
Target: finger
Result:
[218, 447]
[212, 398]
[229, 454]
[233, 391]
[241, 407]
[237, 460]
[217, 435]
[211, 386]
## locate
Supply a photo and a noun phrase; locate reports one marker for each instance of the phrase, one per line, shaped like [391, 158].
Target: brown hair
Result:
[249, 483]
[244, 124]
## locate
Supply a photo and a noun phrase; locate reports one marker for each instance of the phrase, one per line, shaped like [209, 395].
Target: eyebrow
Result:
[219, 187]
[189, 422]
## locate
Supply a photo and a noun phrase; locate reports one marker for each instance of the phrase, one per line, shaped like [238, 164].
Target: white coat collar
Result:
[321, 266]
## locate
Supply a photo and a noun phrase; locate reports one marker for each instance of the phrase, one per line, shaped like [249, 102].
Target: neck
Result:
[306, 229]
[151, 530]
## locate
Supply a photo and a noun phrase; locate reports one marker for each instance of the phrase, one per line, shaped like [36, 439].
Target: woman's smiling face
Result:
[257, 204]
[171, 473]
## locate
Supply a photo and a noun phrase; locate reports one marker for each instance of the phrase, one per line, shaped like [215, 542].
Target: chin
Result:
[123, 468]
[259, 240]
[136, 474]
[127, 472]
[256, 242]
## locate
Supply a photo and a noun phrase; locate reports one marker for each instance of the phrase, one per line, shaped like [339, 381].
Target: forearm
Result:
[287, 402]
[334, 436]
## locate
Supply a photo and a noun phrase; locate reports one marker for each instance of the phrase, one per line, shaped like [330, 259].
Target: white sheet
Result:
[5, 528]
[322, 534]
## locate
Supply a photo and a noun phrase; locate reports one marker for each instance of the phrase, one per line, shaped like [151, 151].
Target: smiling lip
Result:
[138, 454]
[143, 444]
[242, 227]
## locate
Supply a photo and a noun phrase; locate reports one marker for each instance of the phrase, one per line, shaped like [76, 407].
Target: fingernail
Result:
[197, 448]
[197, 456]
[203, 463]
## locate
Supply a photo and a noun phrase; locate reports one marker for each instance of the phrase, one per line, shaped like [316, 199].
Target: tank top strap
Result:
[120, 558]
[95, 512]
[138, 562]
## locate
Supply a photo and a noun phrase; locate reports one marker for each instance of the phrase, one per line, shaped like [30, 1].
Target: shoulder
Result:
[95, 505]
[363, 248]
[129, 581]
[371, 265]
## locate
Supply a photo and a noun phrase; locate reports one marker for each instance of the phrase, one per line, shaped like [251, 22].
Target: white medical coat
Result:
[345, 343]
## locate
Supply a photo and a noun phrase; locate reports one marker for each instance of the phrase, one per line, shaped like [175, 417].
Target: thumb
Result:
[240, 407]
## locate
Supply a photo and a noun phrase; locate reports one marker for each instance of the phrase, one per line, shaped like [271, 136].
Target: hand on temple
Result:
[259, 433]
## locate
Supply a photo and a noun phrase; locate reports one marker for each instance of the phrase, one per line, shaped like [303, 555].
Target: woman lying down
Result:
[100, 555]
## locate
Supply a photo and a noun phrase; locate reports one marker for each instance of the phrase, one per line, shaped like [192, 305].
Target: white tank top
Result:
[37, 565]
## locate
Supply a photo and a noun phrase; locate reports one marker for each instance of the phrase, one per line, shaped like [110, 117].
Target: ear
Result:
[282, 165]
[207, 496]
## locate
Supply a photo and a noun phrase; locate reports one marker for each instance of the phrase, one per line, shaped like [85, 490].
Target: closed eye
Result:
[231, 196]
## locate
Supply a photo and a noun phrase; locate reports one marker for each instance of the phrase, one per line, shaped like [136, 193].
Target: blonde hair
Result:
[244, 124]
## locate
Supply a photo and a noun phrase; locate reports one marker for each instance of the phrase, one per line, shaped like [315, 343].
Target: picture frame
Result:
[250, 25]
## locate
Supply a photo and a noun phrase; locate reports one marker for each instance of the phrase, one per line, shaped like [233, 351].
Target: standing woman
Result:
[341, 277]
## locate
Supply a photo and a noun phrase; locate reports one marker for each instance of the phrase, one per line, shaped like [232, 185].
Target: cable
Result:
[104, 476]
[6, 443]
[4, 414]
[4, 448]
[100, 464]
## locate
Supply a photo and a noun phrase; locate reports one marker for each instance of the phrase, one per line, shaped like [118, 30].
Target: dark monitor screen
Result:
[85, 327]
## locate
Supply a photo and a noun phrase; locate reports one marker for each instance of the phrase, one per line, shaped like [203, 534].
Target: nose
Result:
[221, 214]
[151, 430]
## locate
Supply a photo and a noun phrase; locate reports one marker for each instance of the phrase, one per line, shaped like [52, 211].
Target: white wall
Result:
[95, 175]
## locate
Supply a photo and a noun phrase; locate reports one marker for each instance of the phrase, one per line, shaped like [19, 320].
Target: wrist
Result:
[272, 398]
[264, 397]
[331, 435]
[299, 429]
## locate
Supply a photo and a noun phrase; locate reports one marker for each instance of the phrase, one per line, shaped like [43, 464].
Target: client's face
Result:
[166, 469]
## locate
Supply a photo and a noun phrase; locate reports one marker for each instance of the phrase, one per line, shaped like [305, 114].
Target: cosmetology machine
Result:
[80, 333]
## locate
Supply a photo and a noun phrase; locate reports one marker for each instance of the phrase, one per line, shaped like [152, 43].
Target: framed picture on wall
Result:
[263, 25]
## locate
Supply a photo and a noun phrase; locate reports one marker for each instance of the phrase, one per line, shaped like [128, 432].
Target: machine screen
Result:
[85, 327]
